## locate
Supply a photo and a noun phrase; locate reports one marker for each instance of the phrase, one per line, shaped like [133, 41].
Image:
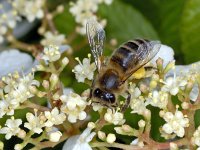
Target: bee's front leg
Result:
[126, 104]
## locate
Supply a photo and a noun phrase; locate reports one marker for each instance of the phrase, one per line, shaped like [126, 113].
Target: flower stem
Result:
[118, 145]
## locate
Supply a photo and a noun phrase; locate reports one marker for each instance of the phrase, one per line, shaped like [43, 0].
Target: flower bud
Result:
[141, 123]
[55, 136]
[113, 42]
[53, 80]
[45, 84]
[40, 68]
[65, 61]
[141, 144]
[161, 113]
[91, 125]
[60, 8]
[173, 146]
[169, 66]
[143, 88]
[41, 30]
[147, 114]
[101, 135]
[111, 138]
[33, 89]
[185, 105]
[1, 145]
[21, 134]
[159, 63]
[41, 94]
[56, 96]
[153, 84]
[18, 147]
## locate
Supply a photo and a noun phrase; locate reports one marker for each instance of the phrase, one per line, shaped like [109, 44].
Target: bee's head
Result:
[104, 96]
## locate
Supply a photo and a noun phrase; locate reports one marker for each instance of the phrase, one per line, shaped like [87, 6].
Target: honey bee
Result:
[110, 81]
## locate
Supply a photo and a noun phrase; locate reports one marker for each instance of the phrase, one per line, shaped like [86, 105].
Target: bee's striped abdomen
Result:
[125, 54]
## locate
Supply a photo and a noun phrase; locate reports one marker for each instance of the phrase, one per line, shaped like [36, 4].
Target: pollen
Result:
[140, 73]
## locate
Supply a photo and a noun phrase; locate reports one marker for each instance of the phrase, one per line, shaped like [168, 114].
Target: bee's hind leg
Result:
[126, 104]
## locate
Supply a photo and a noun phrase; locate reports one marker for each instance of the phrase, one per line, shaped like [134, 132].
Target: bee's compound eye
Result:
[110, 97]
[97, 92]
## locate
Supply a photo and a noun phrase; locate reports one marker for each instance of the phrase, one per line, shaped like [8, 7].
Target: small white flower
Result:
[196, 137]
[5, 109]
[9, 18]
[52, 39]
[82, 10]
[16, 91]
[35, 123]
[84, 70]
[51, 53]
[21, 90]
[166, 53]
[116, 118]
[31, 9]
[55, 136]
[101, 135]
[54, 117]
[12, 128]
[137, 101]
[157, 99]
[74, 105]
[96, 106]
[80, 142]
[173, 84]
[138, 105]
[134, 91]
[173, 146]
[175, 123]
[111, 138]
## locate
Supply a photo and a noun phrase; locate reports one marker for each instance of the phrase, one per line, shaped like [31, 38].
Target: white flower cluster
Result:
[84, 70]
[116, 118]
[157, 99]
[137, 102]
[16, 91]
[83, 10]
[175, 123]
[11, 12]
[8, 19]
[31, 9]
[54, 117]
[73, 105]
[173, 85]
[48, 119]
[35, 123]
[52, 39]
[12, 127]
[196, 138]
[51, 53]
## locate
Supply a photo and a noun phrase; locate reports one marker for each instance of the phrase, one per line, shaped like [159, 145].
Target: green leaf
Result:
[165, 16]
[65, 22]
[190, 30]
[125, 23]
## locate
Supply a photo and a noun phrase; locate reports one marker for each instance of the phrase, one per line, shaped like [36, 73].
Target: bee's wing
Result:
[96, 36]
[143, 55]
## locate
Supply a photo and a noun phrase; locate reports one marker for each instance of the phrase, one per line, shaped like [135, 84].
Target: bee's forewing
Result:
[96, 36]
